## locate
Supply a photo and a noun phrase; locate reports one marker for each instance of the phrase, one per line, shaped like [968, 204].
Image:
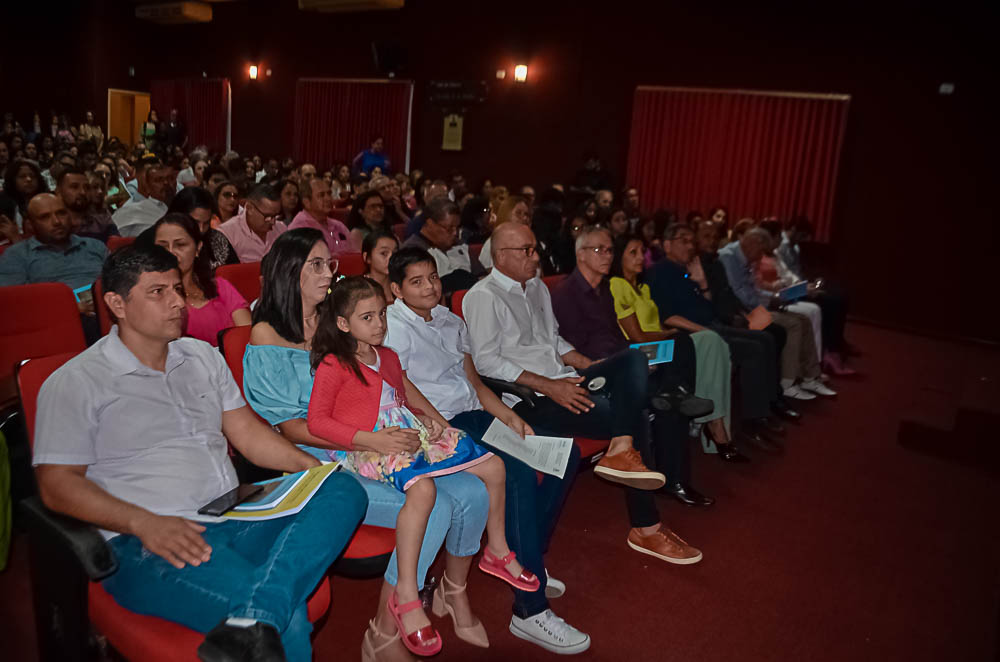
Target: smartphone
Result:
[230, 500]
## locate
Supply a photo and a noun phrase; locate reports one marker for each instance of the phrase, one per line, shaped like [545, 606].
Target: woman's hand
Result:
[389, 441]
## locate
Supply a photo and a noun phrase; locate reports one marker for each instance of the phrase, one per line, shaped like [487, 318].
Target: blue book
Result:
[794, 292]
[661, 351]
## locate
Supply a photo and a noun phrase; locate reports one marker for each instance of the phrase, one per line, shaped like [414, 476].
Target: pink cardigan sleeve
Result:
[327, 385]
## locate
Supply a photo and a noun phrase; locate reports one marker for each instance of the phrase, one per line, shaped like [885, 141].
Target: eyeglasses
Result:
[598, 250]
[527, 250]
[267, 217]
[318, 265]
[228, 194]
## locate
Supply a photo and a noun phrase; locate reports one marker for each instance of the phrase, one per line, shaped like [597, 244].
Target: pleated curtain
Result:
[203, 104]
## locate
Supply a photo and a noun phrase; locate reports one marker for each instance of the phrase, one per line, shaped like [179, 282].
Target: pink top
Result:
[205, 323]
[338, 237]
[246, 243]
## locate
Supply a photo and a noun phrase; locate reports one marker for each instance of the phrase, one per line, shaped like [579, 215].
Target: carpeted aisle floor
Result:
[848, 547]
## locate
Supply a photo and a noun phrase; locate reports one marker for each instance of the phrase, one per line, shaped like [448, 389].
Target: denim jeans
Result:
[532, 509]
[263, 570]
[457, 519]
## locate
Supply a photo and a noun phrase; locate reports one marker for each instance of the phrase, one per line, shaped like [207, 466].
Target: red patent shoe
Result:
[497, 567]
[426, 640]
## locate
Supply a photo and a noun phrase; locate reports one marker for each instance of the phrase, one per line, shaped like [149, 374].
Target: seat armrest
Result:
[82, 539]
[500, 387]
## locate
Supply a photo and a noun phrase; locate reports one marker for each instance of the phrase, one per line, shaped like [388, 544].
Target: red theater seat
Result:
[350, 264]
[104, 317]
[399, 229]
[244, 277]
[114, 243]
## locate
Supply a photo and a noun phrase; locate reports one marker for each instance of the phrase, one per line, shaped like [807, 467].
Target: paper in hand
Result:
[549, 455]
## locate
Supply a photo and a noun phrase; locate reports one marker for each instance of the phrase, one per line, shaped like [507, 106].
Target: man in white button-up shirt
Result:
[515, 337]
[434, 351]
[132, 436]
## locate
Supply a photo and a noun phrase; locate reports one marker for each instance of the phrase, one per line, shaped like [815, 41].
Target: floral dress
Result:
[452, 452]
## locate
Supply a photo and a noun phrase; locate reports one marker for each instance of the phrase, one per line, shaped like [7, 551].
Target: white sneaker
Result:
[797, 393]
[816, 386]
[553, 587]
[550, 632]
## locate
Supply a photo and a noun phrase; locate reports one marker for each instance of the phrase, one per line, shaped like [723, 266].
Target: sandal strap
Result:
[378, 634]
[457, 588]
[408, 606]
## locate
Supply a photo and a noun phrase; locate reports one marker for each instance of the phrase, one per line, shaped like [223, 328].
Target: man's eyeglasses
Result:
[319, 266]
[267, 217]
[527, 250]
[599, 250]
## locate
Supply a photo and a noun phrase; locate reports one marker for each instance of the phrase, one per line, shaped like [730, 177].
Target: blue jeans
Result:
[457, 519]
[532, 509]
[264, 570]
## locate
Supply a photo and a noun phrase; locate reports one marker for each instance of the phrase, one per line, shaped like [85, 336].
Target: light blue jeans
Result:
[457, 519]
[263, 570]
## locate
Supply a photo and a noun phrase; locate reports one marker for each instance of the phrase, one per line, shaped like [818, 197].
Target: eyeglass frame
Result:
[527, 250]
[316, 263]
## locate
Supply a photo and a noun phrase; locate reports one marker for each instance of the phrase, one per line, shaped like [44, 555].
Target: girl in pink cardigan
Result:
[363, 401]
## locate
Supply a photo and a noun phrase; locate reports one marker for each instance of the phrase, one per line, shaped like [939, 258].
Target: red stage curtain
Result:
[336, 119]
[203, 104]
[758, 154]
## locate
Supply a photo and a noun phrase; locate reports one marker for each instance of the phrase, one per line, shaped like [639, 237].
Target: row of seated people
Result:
[504, 340]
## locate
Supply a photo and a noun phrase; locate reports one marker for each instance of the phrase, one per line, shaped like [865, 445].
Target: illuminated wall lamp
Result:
[253, 72]
[521, 73]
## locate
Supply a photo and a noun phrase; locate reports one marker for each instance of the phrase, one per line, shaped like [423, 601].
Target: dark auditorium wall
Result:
[916, 166]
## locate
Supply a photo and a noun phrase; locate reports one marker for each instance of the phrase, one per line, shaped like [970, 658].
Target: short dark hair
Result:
[264, 191]
[674, 230]
[214, 169]
[202, 267]
[354, 217]
[280, 303]
[372, 238]
[68, 171]
[403, 258]
[190, 198]
[439, 209]
[122, 268]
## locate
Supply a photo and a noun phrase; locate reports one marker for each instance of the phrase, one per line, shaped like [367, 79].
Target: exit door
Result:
[127, 110]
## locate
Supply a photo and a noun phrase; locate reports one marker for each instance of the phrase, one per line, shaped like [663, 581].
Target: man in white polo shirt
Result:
[131, 436]
[433, 348]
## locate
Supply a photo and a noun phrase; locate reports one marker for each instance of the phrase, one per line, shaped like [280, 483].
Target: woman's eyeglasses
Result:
[228, 194]
[319, 266]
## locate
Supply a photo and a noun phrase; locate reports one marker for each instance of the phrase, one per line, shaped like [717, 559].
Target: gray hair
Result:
[589, 230]
[759, 235]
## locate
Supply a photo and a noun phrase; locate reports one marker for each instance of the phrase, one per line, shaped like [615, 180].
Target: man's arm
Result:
[575, 359]
[739, 281]
[13, 268]
[262, 445]
[66, 489]
[492, 403]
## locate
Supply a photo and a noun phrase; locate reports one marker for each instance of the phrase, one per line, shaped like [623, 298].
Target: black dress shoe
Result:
[759, 441]
[683, 402]
[783, 410]
[771, 426]
[730, 453]
[687, 495]
[259, 642]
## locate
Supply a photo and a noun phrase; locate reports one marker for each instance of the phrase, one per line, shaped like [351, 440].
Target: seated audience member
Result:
[211, 304]
[62, 160]
[800, 369]
[72, 189]
[22, 182]
[739, 230]
[604, 198]
[433, 348]
[367, 215]
[395, 211]
[584, 307]
[278, 382]
[318, 203]
[617, 223]
[9, 232]
[514, 337]
[227, 202]
[512, 209]
[214, 176]
[290, 203]
[98, 223]
[253, 231]
[374, 157]
[307, 171]
[110, 449]
[639, 319]
[53, 254]
[474, 227]
[652, 242]
[341, 187]
[157, 185]
[438, 237]
[435, 189]
[830, 298]
[565, 250]
[198, 203]
[630, 204]
[376, 250]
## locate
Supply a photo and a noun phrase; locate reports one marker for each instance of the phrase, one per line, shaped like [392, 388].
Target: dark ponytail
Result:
[329, 340]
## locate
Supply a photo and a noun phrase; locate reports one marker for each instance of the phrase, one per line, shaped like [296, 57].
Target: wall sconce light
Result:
[521, 73]
[501, 74]
[253, 72]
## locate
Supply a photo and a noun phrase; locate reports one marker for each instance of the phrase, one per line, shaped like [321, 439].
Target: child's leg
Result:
[493, 474]
[410, 526]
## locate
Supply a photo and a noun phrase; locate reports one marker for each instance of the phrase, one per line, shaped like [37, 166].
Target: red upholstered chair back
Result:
[399, 229]
[233, 343]
[114, 243]
[456, 302]
[350, 264]
[340, 213]
[104, 317]
[4, 247]
[475, 250]
[38, 320]
[552, 281]
[244, 277]
[30, 376]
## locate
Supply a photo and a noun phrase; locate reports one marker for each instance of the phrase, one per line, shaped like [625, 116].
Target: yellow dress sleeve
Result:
[624, 296]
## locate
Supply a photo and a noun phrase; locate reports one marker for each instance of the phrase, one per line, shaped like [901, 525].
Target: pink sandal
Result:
[415, 642]
[497, 567]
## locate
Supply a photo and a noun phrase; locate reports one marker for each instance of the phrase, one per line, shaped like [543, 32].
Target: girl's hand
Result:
[434, 429]
[391, 440]
[517, 424]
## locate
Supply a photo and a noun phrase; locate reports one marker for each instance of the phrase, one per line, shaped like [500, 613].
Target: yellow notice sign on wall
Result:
[452, 137]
